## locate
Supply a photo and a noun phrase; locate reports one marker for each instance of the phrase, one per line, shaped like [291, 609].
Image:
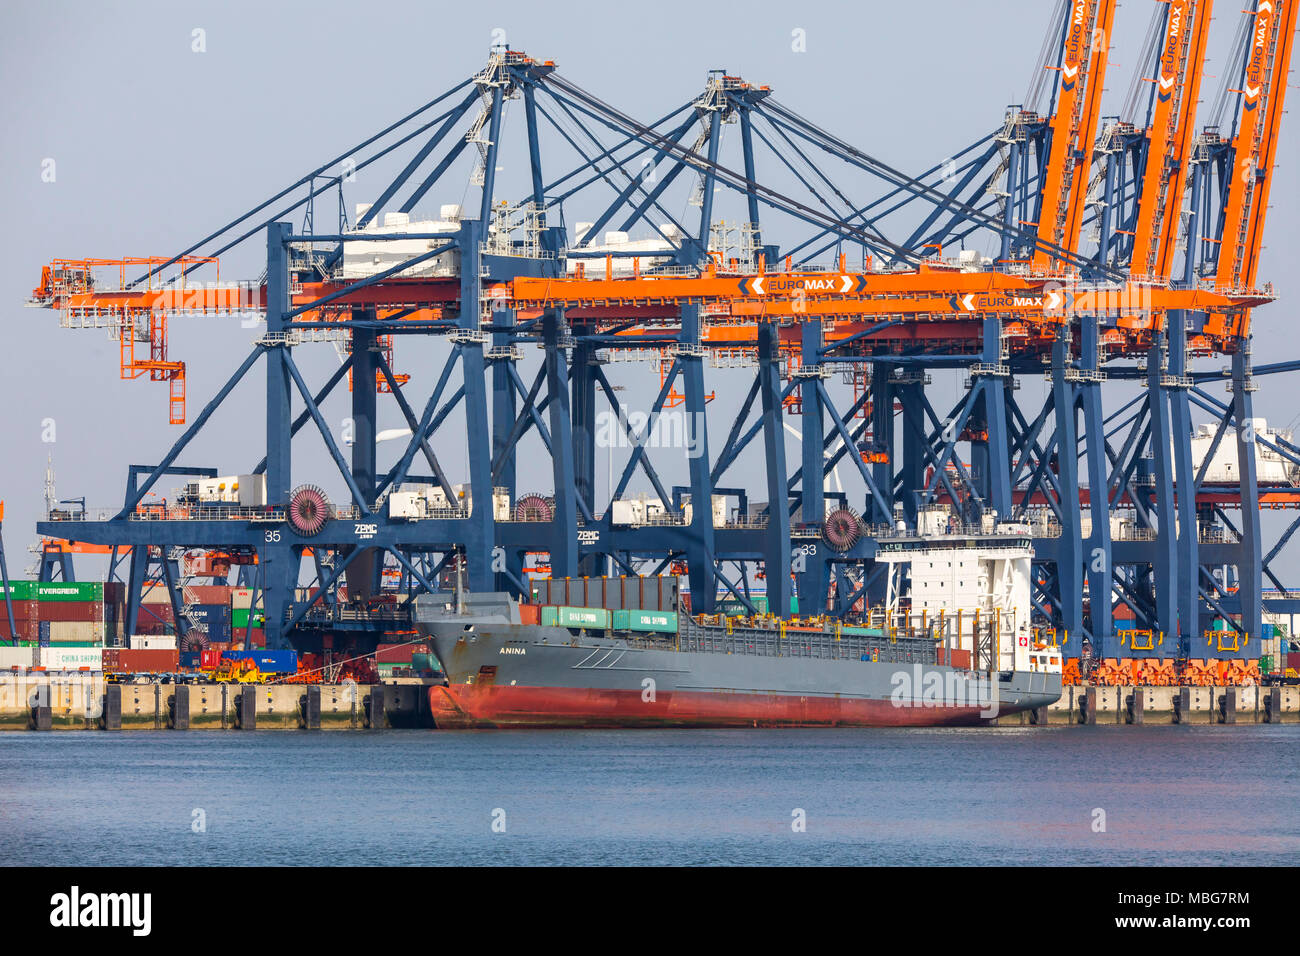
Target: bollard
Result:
[248, 707]
[1228, 706]
[1038, 716]
[378, 707]
[113, 707]
[311, 708]
[1183, 705]
[1134, 706]
[42, 717]
[180, 707]
[1088, 706]
[1273, 706]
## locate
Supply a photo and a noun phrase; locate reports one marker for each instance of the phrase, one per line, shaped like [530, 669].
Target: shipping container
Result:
[140, 661]
[395, 653]
[151, 642]
[71, 611]
[592, 618]
[960, 658]
[191, 660]
[268, 662]
[63, 632]
[203, 613]
[11, 657]
[239, 617]
[72, 658]
[732, 607]
[220, 631]
[55, 591]
[664, 622]
[19, 590]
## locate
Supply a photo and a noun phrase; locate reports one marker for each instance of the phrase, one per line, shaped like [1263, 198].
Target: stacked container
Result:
[70, 614]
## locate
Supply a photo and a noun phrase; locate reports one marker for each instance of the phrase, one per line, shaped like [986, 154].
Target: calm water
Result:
[1184, 795]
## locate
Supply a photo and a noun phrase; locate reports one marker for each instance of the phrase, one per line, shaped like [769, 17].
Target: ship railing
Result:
[175, 512]
[784, 642]
[747, 521]
[337, 613]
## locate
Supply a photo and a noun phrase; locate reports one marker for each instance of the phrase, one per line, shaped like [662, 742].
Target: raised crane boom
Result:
[1267, 64]
[1074, 125]
[1178, 79]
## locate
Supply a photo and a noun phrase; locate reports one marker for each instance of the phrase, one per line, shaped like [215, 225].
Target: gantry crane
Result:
[1039, 304]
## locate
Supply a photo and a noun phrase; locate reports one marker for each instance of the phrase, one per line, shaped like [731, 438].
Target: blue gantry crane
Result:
[1107, 254]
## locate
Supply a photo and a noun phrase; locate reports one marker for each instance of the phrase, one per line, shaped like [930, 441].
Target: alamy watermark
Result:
[918, 687]
[637, 429]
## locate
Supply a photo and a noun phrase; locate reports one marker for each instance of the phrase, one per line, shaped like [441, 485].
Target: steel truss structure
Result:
[1126, 249]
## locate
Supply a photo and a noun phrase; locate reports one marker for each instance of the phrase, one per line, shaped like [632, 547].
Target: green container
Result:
[733, 608]
[70, 591]
[19, 590]
[592, 618]
[662, 622]
[863, 631]
[1266, 664]
[239, 618]
[549, 617]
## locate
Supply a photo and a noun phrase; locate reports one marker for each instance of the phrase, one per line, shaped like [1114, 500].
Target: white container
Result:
[23, 657]
[72, 658]
[153, 642]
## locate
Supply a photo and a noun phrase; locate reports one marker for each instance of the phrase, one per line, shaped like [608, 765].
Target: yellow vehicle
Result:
[237, 672]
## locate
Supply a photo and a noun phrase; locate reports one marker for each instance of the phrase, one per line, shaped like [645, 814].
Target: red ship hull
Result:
[486, 706]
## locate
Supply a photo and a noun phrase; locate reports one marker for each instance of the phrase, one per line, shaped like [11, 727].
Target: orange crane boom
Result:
[1074, 125]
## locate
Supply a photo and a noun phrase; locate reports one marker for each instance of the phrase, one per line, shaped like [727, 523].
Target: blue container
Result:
[191, 658]
[43, 633]
[210, 613]
[268, 662]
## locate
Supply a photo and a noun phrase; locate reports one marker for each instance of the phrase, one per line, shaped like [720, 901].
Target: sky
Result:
[162, 121]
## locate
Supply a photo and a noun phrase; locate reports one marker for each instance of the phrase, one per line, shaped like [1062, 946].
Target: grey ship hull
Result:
[506, 674]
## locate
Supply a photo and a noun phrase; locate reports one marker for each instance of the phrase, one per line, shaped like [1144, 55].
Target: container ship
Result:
[639, 660]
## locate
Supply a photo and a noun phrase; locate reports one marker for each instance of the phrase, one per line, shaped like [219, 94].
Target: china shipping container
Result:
[664, 622]
[592, 618]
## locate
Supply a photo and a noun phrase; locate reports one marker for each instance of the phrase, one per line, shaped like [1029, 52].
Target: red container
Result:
[24, 630]
[394, 653]
[209, 659]
[121, 660]
[398, 653]
[154, 614]
[530, 613]
[210, 593]
[73, 611]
